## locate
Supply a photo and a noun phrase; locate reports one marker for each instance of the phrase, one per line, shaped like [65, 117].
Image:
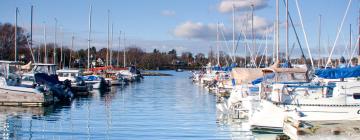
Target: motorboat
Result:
[74, 77]
[45, 75]
[14, 93]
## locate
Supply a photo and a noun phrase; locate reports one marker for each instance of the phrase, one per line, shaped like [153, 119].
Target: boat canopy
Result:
[245, 75]
[286, 74]
[336, 73]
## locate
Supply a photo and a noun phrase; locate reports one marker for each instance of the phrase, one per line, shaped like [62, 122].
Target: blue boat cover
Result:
[259, 80]
[336, 73]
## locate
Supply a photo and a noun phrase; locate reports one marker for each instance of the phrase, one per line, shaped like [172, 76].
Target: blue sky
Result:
[166, 24]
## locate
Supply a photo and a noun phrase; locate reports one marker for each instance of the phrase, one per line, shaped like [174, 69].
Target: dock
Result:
[303, 130]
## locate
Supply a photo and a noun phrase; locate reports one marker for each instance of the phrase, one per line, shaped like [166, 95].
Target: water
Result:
[157, 108]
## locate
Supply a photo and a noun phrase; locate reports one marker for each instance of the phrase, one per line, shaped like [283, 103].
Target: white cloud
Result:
[202, 31]
[168, 13]
[195, 30]
[241, 5]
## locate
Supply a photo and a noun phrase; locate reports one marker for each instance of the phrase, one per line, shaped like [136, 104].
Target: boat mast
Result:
[45, 47]
[118, 55]
[31, 27]
[287, 33]
[54, 56]
[72, 47]
[108, 41]
[16, 17]
[350, 47]
[61, 46]
[253, 33]
[111, 45]
[217, 44]
[233, 29]
[319, 43]
[359, 39]
[277, 31]
[124, 51]
[89, 38]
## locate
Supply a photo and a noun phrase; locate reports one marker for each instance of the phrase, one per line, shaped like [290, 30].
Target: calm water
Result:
[157, 108]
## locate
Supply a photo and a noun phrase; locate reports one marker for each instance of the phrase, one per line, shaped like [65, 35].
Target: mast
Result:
[72, 47]
[319, 43]
[217, 44]
[287, 32]
[124, 51]
[274, 44]
[54, 56]
[253, 33]
[233, 29]
[266, 47]
[31, 28]
[111, 45]
[359, 39]
[89, 38]
[45, 47]
[118, 55]
[350, 47]
[277, 31]
[108, 41]
[16, 17]
[61, 46]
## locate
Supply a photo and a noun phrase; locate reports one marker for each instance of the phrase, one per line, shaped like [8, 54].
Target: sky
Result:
[186, 25]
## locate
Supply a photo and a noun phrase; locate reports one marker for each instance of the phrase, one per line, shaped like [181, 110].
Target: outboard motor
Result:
[59, 90]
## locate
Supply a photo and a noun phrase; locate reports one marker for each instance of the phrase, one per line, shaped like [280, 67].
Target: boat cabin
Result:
[50, 69]
[10, 70]
[68, 74]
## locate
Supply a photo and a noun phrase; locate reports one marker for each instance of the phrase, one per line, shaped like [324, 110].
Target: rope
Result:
[338, 33]
[305, 35]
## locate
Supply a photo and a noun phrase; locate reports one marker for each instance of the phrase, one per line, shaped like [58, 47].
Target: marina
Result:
[236, 78]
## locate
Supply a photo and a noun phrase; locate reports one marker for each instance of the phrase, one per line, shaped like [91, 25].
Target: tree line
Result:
[77, 58]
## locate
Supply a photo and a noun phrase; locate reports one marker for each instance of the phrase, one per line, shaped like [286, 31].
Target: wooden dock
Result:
[337, 130]
[21, 98]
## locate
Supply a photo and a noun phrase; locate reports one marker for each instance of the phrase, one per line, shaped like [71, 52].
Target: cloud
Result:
[195, 30]
[168, 13]
[225, 6]
[202, 31]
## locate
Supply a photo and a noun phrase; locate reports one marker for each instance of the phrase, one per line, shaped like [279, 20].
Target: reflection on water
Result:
[157, 108]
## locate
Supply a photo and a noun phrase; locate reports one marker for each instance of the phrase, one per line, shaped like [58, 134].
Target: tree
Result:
[7, 41]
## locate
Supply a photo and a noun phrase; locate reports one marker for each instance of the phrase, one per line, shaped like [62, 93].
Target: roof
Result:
[43, 64]
[10, 62]
[68, 71]
[245, 75]
[283, 70]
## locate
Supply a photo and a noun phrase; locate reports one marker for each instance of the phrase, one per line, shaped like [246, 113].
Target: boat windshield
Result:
[6, 69]
[45, 69]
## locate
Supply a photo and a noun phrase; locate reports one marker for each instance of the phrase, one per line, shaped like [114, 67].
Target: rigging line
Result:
[304, 32]
[226, 42]
[347, 44]
[27, 40]
[296, 35]
[247, 45]
[338, 33]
